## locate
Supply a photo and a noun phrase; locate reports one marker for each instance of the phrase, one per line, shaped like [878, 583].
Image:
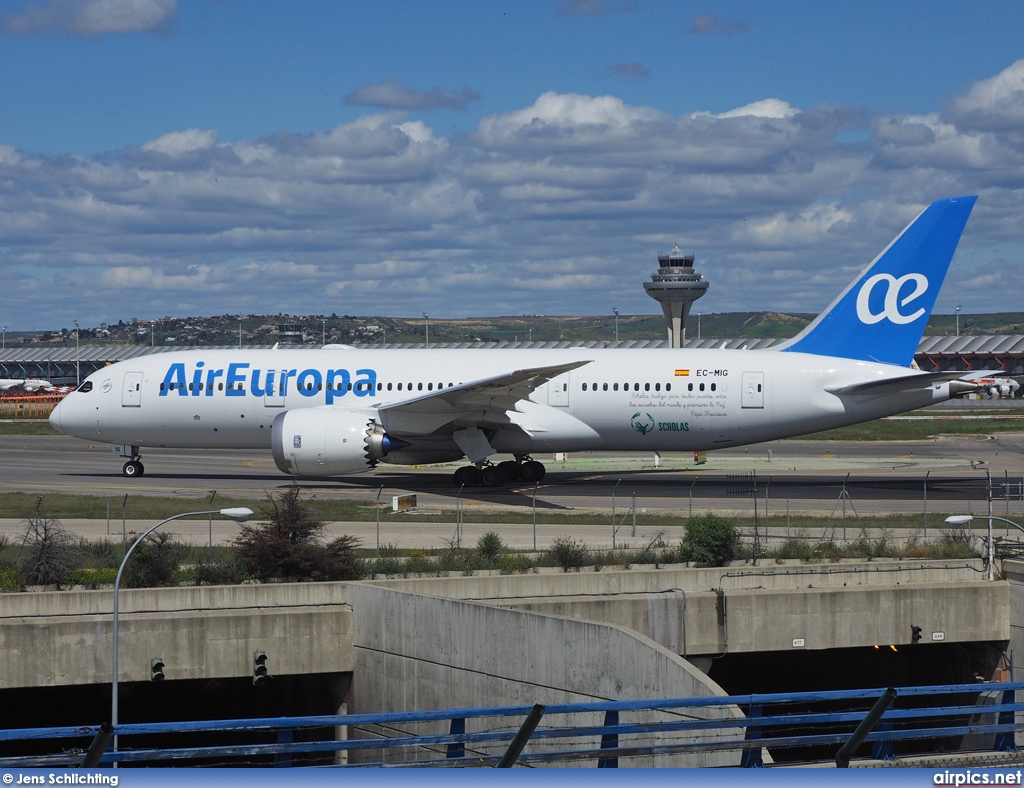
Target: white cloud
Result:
[179, 143]
[89, 18]
[993, 104]
[558, 207]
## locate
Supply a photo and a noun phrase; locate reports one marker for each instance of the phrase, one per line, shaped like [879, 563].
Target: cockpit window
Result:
[85, 388]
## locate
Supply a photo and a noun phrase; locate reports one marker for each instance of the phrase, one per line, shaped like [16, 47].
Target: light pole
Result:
[240, 514]
[5, 338]
[958, 320]
[323, 331]
[698, 325]
[615, 309]
[963, 519]
[426, 328]
[78, 362]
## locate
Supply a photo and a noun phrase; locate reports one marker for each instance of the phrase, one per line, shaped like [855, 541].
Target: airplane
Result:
[340, 410]
[994, 383]
[26, 384]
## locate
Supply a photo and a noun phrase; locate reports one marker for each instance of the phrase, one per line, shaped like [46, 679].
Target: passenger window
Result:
[615, 387]
[161, 386]
[657, 387]
[714, 386]
[636, 387]
[419, 387]
[668, 387]
[647, 386]
[389, 387]
[604, 386]
[220, 387]
[430, 387]
[689, 387]
[701, 386]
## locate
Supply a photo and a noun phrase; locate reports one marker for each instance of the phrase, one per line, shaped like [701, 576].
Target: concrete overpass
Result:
[550, 637]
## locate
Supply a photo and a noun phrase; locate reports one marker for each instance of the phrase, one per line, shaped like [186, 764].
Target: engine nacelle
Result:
[327, 441]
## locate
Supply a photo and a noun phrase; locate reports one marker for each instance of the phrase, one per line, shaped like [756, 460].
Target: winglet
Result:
[882, 314]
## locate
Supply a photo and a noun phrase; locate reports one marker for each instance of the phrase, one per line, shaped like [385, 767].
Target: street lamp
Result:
[963, 519]
[239, 514]
[426, 327]
[958, 320]
[698, 325]
[615, 309]
[323, 331]
[78, 363]
[5, 338]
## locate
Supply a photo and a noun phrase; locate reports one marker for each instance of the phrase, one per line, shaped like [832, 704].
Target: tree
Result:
[709, 540]
[289, 545]
[51, 554]
[154, 562]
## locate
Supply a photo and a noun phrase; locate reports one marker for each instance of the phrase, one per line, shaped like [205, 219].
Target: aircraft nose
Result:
[55, 418]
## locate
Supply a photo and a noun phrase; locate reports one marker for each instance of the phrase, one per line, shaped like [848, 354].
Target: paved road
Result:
[797, 476]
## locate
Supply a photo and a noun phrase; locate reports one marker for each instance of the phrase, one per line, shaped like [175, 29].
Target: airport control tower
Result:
[676, 286]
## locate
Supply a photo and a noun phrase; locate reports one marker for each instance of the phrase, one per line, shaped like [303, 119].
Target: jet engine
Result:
[327, 441]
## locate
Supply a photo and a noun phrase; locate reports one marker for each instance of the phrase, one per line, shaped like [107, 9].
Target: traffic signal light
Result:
[259, 668]
[156, 669]
[915, 634]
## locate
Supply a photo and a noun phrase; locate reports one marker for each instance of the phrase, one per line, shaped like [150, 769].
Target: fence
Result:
[961, 717]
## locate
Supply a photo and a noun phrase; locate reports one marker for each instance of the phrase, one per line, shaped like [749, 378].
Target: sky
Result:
[473, 158]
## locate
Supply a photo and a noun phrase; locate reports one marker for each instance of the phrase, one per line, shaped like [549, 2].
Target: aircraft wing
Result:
[904, 383]
[481, 402]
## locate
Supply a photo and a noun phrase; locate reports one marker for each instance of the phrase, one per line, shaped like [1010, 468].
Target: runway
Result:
[798, 470]
[841, 481]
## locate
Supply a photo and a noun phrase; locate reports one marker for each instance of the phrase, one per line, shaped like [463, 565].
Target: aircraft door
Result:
[558, 391]
[274, 398]
[131, 393]
[753, 390]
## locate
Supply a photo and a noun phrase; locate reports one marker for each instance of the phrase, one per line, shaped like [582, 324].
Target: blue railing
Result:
[598, 732]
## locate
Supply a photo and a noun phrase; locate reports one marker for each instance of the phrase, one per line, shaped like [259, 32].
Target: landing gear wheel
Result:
[533, 471]
[466, 476]
[510, 470]
[491, 476]
[133, 468]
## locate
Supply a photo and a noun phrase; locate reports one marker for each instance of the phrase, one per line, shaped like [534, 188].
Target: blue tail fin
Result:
[882, 314]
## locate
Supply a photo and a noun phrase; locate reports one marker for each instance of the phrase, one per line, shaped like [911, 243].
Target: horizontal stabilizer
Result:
[905, 383]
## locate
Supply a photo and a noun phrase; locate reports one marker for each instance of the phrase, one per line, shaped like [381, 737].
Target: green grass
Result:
[26, 428]
[913, 430]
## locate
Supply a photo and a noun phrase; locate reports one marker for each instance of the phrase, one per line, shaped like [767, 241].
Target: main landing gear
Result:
[520, 469]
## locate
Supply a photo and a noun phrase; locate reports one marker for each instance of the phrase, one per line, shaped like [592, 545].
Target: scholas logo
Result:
[241, 380]
[642, 422]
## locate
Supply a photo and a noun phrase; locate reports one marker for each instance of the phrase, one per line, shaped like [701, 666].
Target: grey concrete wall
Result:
[420, 652]
[61, 638]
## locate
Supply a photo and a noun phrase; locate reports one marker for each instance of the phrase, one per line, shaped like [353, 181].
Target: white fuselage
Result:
[623, 399]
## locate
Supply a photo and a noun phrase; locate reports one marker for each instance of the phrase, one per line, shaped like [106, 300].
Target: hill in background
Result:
[263, 329]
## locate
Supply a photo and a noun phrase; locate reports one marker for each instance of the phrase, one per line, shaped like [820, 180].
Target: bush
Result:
[289, 546]
[569, 554]
[11, 579]
[93, 578]
[155, 562]
[513, 564]
[490, 546]
[709, 540]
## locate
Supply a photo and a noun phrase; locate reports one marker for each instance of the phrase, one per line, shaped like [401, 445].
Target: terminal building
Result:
[1000, 355]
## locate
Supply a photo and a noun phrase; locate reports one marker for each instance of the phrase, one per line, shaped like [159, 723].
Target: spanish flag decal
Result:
[682, 373]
